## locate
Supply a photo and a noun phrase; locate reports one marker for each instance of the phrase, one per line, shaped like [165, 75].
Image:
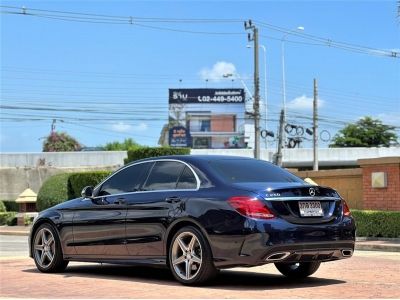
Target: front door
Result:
[99, 227]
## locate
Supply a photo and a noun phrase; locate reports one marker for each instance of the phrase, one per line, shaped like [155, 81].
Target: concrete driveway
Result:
[369, 274]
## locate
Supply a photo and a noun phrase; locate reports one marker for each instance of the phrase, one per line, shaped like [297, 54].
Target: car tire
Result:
[190, 257]
[46, 250]
[298, 270]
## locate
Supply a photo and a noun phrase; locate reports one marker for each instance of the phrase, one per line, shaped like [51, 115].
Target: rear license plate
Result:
[310, 209]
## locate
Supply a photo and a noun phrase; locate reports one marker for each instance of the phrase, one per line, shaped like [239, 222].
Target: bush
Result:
[146, 152]
[2, 207]
[371, 223]
[12, 220]
[6, 216]
[11, 205]
[28, 220]
[79, 180]
[54, 190]
[62, 187]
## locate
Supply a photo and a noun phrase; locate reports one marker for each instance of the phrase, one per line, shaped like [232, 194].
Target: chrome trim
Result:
[282, 257]
[306, 198]
[347, 252]
[151, 161]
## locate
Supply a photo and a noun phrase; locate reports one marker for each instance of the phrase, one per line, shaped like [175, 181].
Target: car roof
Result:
[194, 158]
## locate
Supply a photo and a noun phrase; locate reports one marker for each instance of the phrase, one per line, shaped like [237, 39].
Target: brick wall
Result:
[222, 123]
[386, 198]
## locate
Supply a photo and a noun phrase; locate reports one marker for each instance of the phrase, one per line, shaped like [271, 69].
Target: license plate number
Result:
[310, 209]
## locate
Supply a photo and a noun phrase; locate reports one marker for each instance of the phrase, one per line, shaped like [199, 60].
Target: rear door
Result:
[152, 209]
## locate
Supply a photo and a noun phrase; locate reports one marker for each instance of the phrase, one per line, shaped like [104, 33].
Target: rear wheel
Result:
[298, 270]
[190, 257]
[47, 251]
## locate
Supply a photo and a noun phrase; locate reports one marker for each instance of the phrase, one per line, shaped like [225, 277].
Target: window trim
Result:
[151, 161]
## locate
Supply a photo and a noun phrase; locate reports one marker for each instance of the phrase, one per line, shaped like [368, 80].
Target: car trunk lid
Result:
[298, 203]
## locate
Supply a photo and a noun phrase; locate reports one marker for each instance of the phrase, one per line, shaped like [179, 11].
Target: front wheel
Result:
[47, 251]
[190, 257]
[298, 270]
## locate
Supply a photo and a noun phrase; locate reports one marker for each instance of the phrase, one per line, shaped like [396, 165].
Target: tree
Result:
[60, 142]
[366, 132]
[121, 146]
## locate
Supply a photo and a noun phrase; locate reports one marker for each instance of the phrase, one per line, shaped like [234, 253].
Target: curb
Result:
[378, 247]
[19, 233]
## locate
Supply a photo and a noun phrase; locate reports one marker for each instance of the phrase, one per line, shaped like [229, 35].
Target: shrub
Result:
[2, 207]
[5, 217]
[146, 152]
[62, 187]
[12, 220]
[11, 205]
[60, 142]
[372, 223]
[53, 191]
[79, 180]
[28, 220]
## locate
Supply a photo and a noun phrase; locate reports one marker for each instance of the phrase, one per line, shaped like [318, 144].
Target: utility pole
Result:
[278, 157]
[315, 126]
[256, 105]
[53, 126]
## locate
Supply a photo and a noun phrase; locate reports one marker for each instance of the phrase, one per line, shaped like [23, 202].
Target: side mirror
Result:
[87, 192]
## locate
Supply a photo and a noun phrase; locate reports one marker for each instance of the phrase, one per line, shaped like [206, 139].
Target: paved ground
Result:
[369, 274]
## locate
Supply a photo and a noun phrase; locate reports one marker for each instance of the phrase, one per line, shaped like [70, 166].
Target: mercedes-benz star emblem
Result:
[312, 192]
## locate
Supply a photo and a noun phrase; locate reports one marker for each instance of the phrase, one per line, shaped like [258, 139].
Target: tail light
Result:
[346, 209]
[250, 207]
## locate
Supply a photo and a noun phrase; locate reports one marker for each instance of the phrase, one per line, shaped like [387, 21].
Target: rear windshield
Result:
[247, 170]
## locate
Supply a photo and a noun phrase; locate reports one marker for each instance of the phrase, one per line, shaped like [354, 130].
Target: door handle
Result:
[120, 201]
[173, 199]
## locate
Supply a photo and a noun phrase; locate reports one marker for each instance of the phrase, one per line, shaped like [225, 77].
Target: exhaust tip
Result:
[277, 256]
[347, 252]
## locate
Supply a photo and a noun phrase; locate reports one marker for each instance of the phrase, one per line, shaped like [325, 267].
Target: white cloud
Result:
[217, 71]
[121, 127]
[389, 118]
[141, 127]
[304, 103]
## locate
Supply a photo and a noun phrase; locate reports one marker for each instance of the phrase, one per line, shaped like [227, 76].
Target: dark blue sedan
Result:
[195, 215]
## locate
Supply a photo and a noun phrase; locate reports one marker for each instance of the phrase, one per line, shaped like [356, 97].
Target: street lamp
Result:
[265, 89]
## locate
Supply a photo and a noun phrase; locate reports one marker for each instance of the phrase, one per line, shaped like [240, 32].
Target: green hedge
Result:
[372, 223]
[79, 180]
[6, 216]
[2, 207]
[54, 190]
[146, 152]
[62, 187]
[11, 205]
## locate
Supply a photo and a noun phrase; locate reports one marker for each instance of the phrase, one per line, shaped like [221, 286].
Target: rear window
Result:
[246, 170]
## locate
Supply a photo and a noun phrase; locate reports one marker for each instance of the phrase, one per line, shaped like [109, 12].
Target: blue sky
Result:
[122, 72]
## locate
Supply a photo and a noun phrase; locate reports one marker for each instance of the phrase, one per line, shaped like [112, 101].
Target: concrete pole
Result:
[256, 105]
[315, 127]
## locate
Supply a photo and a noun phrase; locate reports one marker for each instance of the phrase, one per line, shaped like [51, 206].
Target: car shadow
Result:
[226, 279]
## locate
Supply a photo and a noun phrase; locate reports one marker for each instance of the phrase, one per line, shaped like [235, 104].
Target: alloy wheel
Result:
[44, 247]
[186, 255]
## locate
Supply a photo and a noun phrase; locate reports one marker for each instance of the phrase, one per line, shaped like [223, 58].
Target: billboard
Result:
[207, 118]
[206, 96]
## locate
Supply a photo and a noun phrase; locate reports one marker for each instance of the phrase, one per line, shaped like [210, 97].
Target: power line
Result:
[138, 21]
[330, 42]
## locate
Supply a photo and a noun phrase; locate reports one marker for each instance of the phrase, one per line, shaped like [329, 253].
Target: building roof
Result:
[27, 196]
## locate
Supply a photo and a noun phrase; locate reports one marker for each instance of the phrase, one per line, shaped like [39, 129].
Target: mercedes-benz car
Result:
[196, 215]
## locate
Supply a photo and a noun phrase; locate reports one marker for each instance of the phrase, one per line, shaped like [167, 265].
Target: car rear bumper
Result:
[280, 241]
